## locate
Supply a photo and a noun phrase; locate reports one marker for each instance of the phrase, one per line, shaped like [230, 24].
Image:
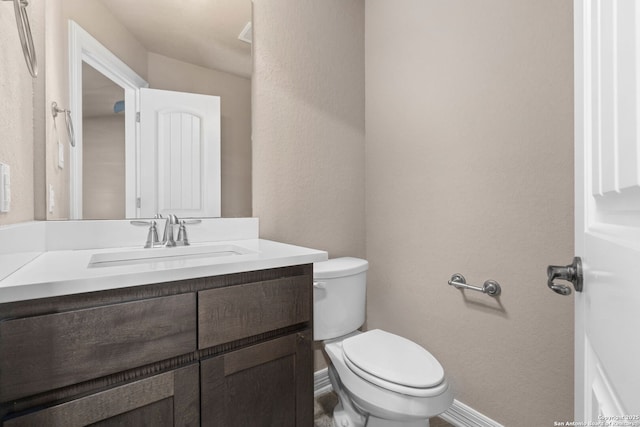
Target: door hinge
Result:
[138, 202]
[138, 117]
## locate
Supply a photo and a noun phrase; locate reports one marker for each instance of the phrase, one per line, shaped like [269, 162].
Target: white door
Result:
[607, 167]
[179, 154]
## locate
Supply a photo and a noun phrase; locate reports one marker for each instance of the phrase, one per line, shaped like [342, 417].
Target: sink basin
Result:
[155, 255]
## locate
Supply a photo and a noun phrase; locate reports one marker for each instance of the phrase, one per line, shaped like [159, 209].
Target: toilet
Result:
[381, 379]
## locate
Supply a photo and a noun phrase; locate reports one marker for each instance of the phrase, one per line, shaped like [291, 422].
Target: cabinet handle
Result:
[301, 337]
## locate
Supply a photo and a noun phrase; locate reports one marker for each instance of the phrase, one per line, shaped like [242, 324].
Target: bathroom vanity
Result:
[229, 349]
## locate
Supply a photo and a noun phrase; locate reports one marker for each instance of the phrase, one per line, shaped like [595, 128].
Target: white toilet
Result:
[381, 379]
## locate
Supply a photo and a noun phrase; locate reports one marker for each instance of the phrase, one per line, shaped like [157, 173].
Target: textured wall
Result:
[57, 90]
[470, 169]
[308, 123]
[235, 104]
[18, 125]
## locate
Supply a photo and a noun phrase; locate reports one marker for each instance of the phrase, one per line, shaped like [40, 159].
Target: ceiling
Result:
[200, 32]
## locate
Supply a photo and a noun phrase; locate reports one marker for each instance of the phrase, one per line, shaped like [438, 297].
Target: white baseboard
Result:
[459, 414]
[321, 383]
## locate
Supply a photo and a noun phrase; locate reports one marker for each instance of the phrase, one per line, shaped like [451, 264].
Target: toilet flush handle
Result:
[320, 285]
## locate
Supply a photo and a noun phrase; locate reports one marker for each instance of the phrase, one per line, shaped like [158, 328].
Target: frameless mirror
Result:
[103, 153]
[118, 47]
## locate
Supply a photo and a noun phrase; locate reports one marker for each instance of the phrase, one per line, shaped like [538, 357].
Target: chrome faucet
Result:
[167, 236]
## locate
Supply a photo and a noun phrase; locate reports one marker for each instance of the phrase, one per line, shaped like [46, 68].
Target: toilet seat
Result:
[380, 401]
[393, 362]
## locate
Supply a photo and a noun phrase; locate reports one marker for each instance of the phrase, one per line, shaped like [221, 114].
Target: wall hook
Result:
[55, 110]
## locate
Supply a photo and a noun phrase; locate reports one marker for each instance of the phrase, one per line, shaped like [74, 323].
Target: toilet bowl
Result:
[381, 379]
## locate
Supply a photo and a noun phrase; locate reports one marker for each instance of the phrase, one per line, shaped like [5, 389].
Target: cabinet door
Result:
[168, 399]
[264, 385]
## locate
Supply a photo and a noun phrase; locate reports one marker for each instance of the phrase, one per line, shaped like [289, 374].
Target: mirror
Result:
[189, 47]
[104, 148]
[103, 164]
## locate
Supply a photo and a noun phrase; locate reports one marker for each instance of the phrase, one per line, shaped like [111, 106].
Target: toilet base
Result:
[346, 415]
[379, 422]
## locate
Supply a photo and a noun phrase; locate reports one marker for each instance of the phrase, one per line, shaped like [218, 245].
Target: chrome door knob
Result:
[571, 273]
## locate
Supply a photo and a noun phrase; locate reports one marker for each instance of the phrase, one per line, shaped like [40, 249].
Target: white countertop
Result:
[65, 272]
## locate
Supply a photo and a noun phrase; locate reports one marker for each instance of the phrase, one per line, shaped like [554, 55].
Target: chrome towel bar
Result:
[490, 287]
[26, 38]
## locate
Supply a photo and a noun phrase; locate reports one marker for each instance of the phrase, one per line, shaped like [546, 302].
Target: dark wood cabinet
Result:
[230, 313]
[167, 399]
[263, 385]
[232, 350]
[41, 353]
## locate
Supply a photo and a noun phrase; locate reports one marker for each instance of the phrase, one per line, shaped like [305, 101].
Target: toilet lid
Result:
[393, 359]
[339, 267]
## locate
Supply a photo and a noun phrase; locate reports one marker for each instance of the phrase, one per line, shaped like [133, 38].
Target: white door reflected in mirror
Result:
[179, 167]
[171, 143]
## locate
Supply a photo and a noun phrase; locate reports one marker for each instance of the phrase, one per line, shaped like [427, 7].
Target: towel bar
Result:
[490, 287]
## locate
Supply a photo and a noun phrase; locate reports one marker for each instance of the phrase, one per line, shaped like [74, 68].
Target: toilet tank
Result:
[339, 296]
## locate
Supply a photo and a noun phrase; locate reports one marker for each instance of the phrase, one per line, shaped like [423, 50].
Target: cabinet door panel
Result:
[246, 391]
[265, 385]
[235, 312]
[46, 352]
[157, 414]
[156, 401]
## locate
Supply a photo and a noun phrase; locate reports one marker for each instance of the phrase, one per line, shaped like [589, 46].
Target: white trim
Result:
[84, 48]
[246, 35]
[321, 383]
[459, 414]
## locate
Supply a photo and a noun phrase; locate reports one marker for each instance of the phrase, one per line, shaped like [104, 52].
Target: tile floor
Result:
[324, 408]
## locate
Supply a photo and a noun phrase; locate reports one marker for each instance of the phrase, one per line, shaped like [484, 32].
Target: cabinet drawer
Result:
[46, 352]
[155, 401]
[235, 312]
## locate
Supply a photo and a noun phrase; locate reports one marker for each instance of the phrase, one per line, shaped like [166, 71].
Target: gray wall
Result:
[308, 123]
[469, 112]
[468, 168]
[20, 125]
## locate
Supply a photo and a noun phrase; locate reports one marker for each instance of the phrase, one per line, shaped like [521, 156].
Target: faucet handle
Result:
[182, 239]
[191, 221]
[152, 236]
